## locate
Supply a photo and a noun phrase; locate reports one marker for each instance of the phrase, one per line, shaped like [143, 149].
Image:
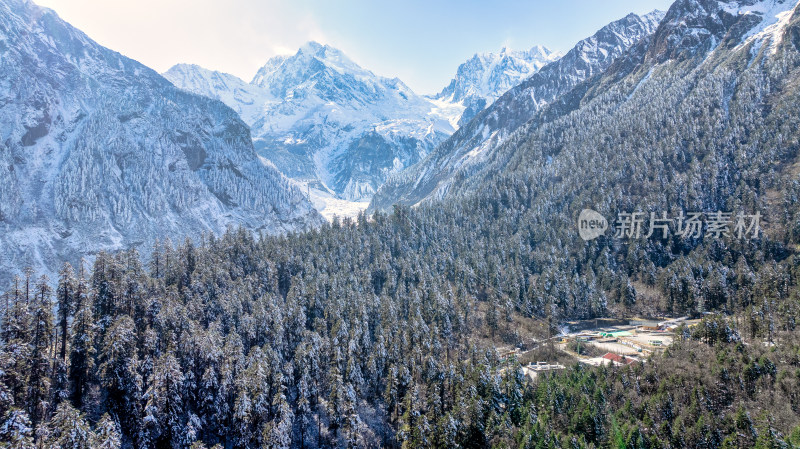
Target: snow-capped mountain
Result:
[325, 121]
[486, 76]
[99, 152]
[473, 144]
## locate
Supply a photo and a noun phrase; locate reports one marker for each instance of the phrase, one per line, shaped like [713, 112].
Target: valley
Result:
[322, 257]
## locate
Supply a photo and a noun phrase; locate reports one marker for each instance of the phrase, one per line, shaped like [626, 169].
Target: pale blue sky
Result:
[420, 41]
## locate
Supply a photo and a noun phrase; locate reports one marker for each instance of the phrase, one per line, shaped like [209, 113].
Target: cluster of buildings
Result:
[627, 342]
[622, 342]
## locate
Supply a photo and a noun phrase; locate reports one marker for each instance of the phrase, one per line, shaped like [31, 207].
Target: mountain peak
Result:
[185, 68]
[657, 14]
[312, 59]
[331, 125]
[485, 76]
[314, 48]
[269, 68]
[542, 52]
[330, 56]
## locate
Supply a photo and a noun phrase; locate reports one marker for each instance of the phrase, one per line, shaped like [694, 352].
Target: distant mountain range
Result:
[98, 152]
[326, 122]
[340, 129]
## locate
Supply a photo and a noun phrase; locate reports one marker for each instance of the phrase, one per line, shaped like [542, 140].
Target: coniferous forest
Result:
[370, 334]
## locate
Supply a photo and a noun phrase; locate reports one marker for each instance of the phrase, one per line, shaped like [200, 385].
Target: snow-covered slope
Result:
[473, 144]
[484, 77]
[98, 152]
[325, 121]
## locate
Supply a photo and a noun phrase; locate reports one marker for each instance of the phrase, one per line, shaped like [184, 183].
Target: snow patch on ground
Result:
[325, 202]
[447, 110]
[642, 81]
[330, 206]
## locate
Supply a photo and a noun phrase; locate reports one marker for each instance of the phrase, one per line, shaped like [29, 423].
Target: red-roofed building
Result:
[622, 360]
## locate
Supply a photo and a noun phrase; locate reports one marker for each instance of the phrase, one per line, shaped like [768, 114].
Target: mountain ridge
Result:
[728, 46]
